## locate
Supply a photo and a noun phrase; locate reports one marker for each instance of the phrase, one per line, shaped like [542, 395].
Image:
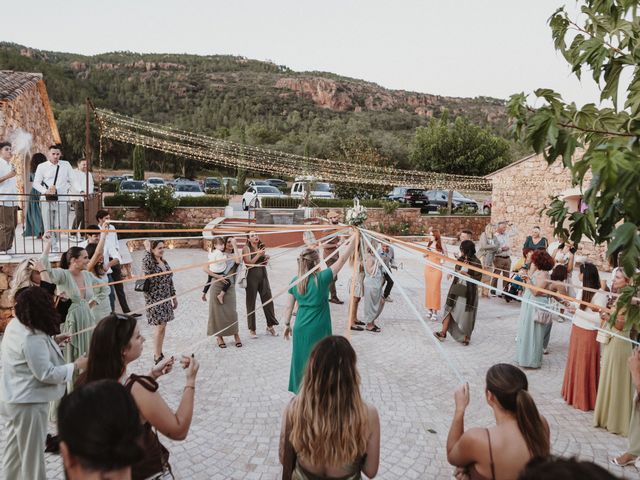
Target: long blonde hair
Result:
[308, 259]
[489, 230]
[21, 277]
[329, 421]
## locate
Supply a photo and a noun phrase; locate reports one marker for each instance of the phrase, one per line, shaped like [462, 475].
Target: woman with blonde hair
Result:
[487, 252]
[328, 431]
[30, 272]
[313, 320]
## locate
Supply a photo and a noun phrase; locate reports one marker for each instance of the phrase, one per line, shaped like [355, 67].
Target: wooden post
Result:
[354, 276]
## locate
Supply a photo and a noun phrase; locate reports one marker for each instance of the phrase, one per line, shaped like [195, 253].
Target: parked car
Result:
[182, 180]
[397, 194]
[128, 176]
[212, 183]
[155, 182]
[486, 207]
[319, 189]
[114, 179]
[254, 183]
[252, 198]
[132, 187]
[440, 198]
[184, 189]
[417, 198]
[276, 182]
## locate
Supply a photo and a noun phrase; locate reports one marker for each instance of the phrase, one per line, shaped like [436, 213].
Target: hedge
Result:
[110, 187]
[124, 200]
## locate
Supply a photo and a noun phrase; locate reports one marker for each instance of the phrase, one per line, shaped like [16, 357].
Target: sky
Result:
[463, 48]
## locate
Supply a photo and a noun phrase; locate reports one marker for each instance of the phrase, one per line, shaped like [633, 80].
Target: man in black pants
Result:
[111, 251]
[388, 257]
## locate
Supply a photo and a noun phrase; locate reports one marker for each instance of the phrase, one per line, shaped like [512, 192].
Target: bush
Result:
[206, 201]
[281, 202]
[109, 187]
[124, 200]
[160, 202]
[389, 207]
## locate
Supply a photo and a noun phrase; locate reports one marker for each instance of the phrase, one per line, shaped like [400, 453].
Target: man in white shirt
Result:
[8, 197]
[79, 182]
[502, 259]
[112, 253]
[53, 178]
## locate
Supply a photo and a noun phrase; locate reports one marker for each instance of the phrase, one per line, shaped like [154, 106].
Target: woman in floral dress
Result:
[160, 288]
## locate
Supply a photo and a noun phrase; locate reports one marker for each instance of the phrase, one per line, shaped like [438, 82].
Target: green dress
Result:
[80, 316]
[101, 295]
[313, 323]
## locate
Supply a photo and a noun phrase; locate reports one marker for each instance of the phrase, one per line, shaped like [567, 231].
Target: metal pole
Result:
[87, 156]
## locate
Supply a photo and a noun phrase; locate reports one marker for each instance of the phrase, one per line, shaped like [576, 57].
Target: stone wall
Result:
[183, 215]
[522, 190]
[27, 112]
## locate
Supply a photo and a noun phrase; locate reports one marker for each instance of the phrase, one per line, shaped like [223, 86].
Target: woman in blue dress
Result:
[33, 226]
[530, 342]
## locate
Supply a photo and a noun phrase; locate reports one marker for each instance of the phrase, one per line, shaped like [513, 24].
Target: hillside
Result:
[249, 101]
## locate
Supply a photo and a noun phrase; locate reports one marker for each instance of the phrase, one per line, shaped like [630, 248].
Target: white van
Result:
[320, 189]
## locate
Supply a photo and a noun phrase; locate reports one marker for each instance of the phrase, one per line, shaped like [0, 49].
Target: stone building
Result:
[26, 119]
[523, 189]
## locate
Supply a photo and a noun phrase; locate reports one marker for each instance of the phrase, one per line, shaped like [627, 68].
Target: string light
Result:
[228, 154]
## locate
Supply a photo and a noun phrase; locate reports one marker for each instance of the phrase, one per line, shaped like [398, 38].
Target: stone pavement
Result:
[241, 393]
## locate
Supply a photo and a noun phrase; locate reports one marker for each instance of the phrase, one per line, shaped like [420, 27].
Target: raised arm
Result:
[56, 274]
[346, 254]
[98, 252]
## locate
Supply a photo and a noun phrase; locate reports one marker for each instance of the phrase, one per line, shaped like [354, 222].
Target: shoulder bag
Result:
[142, 285]
[54, 196]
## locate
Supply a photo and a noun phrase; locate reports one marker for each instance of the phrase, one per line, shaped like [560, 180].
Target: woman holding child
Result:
[223, 317]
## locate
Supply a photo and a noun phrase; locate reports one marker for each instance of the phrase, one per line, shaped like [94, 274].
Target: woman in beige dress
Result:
[223, 317]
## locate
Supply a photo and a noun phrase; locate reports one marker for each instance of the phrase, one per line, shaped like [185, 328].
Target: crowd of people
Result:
[67, 353]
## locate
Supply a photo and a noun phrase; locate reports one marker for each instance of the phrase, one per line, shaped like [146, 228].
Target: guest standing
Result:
[160, 289]
[256, 261]
[532, 322]
[581, 374]
[116, 343]
[34, 373]
[486, 253]
[223, 318]
[615, 390]
[462, 300]
[101, 288]
[30, 273]
[502, 257]
[33, 226]
[519, 435]
[536, 241]
[328, 431]
[433, 274]
[8, 199]
[630, 457]
[53, 181]
[79, 185]
[389, 258]
[313, 321]
[557, 284]
[564, 254]
[373, 295]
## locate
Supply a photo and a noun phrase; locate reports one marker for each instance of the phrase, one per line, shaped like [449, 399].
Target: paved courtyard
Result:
[241, 393]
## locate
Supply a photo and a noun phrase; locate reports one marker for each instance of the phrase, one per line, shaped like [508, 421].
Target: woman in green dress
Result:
[76, 282]
[313, 320]
[33, 226]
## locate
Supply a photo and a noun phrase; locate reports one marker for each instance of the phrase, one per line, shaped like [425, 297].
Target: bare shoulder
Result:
[372, 413]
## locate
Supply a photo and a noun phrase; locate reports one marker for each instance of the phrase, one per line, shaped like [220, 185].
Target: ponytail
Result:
[308, 259]
[73, 252]
[531, 425]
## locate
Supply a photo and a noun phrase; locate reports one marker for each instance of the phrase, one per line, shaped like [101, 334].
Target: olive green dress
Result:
[634, 428]
[101, 295]
[313, 323]
[614, 401]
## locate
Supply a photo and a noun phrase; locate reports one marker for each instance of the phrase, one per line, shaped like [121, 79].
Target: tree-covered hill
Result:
[249, 101]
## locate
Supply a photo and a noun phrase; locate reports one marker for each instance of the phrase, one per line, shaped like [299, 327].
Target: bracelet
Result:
[190, 386]
[39, 271]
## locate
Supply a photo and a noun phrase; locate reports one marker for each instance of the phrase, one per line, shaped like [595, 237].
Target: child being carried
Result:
[218, 256]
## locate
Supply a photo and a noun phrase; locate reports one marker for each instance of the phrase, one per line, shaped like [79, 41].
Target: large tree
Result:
[606, 42]
[458, 147]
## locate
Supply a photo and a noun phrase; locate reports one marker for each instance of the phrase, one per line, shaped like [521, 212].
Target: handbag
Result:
[242, 280]
[543, 317]
[53, 197]
[142, 285]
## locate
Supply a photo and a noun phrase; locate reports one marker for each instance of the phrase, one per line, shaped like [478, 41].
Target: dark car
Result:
[114, 179]
[212, 183]
[276, 182]
[417, 198]
[440, 198]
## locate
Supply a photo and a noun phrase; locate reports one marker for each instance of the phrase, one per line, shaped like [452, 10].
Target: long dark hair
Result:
[468, 249]
[98, 269]
[35, 310]
[509, 386]
[110, 337]
[36, 160]
[100, 425]
[73, 252]
[590, 279]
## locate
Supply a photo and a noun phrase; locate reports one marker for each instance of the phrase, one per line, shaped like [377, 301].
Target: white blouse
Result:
[587, 318]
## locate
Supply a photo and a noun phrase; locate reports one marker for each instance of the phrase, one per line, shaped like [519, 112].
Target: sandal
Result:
[222, 345]
[374, 329]
[362, 324]
[465, 342]
[614, 461]
[159, 359]
[272, 331]
[238, 344]
[440, 336]
[357, 328]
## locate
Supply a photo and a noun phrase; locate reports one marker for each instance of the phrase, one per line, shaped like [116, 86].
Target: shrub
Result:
[160, 202]
[110, 187]
[206, 201]
[138, 162]
[389, 207]
[124, 200]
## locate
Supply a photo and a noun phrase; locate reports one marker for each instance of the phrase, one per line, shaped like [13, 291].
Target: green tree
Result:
[138, 162]
[459, 147]
[605, 41]
[241, 180]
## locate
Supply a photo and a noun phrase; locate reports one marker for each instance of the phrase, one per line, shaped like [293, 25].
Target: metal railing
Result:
[24, 218]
